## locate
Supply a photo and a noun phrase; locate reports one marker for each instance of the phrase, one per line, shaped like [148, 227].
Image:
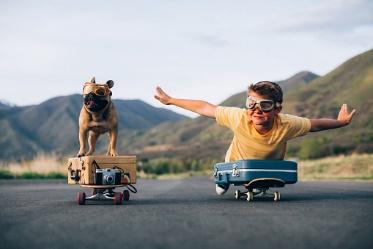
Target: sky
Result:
[205, 50]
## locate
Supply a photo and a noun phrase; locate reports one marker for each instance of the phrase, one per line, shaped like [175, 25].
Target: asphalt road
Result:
[187, 214]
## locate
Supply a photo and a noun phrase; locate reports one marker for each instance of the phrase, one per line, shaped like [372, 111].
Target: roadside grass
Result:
[344, 167]
[173, 176]
[351, 167]
[41, 167]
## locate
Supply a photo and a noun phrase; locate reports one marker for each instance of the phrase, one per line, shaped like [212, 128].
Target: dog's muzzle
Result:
[95, 103]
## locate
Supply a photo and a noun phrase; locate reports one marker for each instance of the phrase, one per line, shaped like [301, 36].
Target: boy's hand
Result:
[344, 116]
[162, 96]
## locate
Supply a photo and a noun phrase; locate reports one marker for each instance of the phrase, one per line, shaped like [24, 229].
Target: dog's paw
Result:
[80, 154]
[112, 153]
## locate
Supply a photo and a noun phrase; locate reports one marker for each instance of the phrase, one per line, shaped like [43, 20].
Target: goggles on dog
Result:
[265, 105]
[99, 90]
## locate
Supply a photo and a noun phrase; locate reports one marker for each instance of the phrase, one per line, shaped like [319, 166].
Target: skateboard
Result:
[106, 193]
[260, 186]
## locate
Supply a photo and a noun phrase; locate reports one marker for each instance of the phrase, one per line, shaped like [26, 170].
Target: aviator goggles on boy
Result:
[99, 90]
[265, 105]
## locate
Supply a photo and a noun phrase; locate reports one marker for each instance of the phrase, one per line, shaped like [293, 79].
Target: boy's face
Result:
[257, 115]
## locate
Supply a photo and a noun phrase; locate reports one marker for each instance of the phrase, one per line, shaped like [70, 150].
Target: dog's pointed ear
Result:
[110, 83]
[93, 80]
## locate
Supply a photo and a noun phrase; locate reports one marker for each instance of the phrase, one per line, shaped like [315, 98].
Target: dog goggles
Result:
[265, 105]
[99, 90]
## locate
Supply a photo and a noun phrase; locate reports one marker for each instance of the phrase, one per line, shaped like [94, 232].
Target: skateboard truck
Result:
[260, 186]
[106, 193]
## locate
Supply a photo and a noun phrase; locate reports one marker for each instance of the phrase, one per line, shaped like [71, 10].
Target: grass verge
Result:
[346, 168]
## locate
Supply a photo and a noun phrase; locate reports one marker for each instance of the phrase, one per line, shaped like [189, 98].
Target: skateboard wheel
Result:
[276, 196]
[80, 198]
[250, 196]
[237, 194]
[118, 198]
[126, 195]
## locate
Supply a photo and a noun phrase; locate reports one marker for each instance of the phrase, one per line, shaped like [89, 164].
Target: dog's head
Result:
[97, 96]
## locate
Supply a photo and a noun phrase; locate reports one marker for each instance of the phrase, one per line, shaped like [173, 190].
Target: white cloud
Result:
[329, 16]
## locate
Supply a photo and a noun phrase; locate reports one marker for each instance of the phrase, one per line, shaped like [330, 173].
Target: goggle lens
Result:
[265, 105]
[98, 90]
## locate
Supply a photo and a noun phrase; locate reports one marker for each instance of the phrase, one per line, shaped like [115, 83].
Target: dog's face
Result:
[97, 96]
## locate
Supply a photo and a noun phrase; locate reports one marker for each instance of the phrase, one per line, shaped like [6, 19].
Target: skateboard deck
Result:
[265, 183]
[101, 186]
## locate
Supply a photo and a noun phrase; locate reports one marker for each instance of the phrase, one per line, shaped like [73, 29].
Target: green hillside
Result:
[305, 95]
[350, 83]
[52, 126]
[199, 139]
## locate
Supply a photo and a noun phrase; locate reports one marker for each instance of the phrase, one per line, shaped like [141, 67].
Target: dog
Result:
[97, 116]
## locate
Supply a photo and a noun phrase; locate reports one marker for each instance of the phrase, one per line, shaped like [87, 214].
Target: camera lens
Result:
[109, 179]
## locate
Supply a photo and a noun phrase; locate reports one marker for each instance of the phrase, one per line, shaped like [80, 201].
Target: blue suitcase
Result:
[256, 175]
[244, 171]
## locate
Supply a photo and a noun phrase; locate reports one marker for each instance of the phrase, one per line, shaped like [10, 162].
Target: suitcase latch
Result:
[235, 171]
[215, 171]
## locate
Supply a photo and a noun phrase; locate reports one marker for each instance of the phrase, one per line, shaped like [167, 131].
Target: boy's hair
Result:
[267, 89]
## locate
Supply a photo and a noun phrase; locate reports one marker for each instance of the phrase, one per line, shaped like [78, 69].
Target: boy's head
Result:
[267, 89]
[263, 102]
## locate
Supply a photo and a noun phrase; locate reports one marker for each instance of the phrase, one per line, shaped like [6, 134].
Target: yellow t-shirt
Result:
[248, 143]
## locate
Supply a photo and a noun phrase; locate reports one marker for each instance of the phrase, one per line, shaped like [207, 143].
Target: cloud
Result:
[213, 40]
[335, 17]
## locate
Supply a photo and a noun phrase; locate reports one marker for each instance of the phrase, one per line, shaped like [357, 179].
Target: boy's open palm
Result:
[162, 96]
[344, 115]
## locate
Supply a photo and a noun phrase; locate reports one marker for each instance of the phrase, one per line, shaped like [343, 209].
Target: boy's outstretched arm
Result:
[344, 118]
[198, 106]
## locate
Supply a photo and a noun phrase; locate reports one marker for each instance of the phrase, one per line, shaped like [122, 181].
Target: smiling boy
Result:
[260, 130]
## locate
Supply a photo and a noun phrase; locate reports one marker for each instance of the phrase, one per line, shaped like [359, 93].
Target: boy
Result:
[260, 131]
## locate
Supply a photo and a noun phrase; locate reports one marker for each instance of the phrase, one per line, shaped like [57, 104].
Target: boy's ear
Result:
[278, 109]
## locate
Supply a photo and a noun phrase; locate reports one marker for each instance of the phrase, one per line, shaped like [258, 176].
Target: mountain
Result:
[305, 95]
[301, 78]
[295, 81]
[52, 126]
[4, 105]
[199, 137]
[350, 83]
[157, 134]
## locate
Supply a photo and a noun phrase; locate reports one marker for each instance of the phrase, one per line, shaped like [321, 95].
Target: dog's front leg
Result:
[82, 139]
[92, 138]
[112, 148]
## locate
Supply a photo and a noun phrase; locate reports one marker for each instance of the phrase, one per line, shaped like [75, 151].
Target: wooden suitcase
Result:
[82, 170]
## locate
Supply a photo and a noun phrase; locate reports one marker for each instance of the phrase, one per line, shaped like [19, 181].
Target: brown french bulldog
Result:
[97, 116]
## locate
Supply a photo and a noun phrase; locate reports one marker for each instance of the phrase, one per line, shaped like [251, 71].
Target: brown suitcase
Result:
[82, 170]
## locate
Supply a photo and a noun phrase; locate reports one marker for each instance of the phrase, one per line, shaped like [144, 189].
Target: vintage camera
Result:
[108, 177]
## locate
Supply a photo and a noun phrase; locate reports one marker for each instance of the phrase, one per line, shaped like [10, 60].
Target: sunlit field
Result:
[353, 167]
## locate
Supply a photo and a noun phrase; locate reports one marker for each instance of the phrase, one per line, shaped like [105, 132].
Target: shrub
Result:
[6, 174]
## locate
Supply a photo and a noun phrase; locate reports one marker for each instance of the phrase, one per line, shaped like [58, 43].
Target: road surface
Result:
[187, 214]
